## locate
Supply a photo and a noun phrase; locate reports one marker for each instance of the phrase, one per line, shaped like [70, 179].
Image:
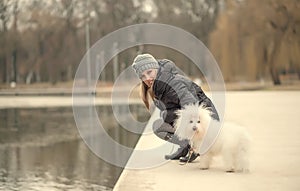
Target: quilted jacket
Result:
[172, 91]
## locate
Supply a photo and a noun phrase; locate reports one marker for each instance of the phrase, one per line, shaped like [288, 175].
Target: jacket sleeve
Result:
[181, 91]
[203, 99]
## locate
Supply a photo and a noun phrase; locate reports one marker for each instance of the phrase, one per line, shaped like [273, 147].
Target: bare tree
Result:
[255, 36]
[4, 17]
[283, 23]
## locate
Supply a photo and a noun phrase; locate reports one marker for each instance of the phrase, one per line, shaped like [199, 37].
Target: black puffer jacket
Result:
[172, 91]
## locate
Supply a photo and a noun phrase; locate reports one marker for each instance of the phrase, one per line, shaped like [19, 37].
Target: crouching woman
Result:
[169, 91]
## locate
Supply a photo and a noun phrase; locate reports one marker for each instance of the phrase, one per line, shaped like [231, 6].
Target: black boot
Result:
[166, 132]
[181, 152]
[189, 158]
[183, 149]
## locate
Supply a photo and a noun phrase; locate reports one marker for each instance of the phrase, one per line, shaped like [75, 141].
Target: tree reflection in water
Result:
[40, 149]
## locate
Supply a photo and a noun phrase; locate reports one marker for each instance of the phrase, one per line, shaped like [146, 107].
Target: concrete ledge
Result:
[272, 119]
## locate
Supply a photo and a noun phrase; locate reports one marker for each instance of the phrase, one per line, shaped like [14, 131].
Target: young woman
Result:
[169, 91]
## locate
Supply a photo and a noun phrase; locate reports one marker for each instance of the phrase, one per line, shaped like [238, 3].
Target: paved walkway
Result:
[273, 120]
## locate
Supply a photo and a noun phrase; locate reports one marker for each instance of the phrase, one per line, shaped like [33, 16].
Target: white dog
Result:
[232, 142]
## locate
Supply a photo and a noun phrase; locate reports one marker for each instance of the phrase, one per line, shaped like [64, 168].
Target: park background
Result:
[252, 41]
[42, 42]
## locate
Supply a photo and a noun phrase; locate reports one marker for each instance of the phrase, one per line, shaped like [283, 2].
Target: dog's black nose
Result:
[194, 128]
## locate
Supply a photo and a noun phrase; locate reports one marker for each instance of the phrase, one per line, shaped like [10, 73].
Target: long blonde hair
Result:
[145, 93]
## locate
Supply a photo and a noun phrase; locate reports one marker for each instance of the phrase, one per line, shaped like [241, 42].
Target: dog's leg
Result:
[242, 154]
[195, 145]
[228, 160]
[242, 161]
[205, 161]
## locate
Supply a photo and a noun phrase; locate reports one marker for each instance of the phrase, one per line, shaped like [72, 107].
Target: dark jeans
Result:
[163, 130]
[166, 132]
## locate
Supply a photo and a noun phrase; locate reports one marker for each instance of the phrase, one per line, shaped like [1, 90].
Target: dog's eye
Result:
[198, 121]
[191, 121]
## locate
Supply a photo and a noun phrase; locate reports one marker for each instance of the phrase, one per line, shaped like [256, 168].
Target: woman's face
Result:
[148, 76]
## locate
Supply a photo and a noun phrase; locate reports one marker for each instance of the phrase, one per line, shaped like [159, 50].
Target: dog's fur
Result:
[232, 142]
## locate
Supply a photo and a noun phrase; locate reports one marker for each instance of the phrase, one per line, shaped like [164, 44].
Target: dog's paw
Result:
[204, 168]
[243, 170]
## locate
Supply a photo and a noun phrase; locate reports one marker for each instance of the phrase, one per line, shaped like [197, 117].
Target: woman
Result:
[169, 91]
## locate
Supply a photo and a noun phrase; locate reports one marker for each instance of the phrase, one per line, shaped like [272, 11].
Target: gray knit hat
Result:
[144, 62]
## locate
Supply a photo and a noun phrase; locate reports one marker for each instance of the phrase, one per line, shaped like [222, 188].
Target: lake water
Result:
[40, 149]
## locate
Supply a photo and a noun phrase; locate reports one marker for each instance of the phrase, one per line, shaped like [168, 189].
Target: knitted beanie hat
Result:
[144, 62]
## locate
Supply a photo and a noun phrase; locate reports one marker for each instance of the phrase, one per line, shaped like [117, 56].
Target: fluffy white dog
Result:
[232, 142]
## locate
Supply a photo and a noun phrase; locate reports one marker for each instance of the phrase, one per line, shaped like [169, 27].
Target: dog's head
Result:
[192, 122]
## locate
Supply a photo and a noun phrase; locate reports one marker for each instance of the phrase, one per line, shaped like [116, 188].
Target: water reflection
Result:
[40, 149]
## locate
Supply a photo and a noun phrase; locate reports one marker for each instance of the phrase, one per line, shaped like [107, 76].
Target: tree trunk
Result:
[3, 63]
[273, 52]
[14, 66]
[275, 76]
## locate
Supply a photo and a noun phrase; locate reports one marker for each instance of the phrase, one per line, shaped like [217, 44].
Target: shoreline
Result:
[105, 90]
